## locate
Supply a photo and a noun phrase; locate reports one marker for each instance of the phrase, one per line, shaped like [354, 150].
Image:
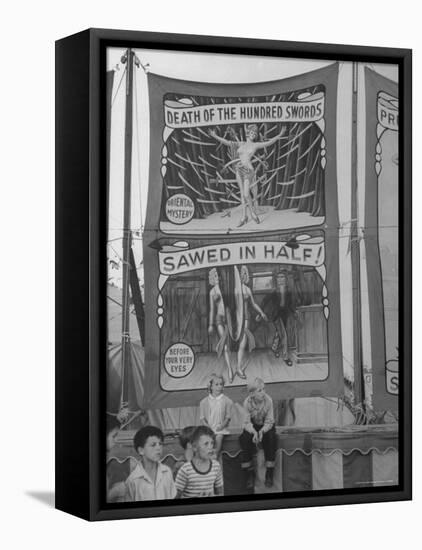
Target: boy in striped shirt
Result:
[202, 476]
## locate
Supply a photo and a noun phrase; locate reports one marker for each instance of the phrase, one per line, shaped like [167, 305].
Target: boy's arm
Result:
[219, 491]
[219, 483]
[117, 491]
[181, 481]
[269, 419]
[171, 485]
[130, 492]
[248, 420]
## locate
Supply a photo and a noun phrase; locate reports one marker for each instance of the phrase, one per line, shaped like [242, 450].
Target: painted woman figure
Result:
[217, 318]
[245, 172]
[247, 340]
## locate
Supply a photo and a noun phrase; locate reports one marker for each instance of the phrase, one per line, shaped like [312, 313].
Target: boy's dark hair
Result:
[201, 430]
[185, 436]
[144, 433]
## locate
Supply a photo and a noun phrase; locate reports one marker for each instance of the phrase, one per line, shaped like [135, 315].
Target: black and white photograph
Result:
[252, 275]
[210, 275]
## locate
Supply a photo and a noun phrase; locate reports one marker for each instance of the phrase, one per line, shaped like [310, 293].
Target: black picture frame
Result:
[81, 271]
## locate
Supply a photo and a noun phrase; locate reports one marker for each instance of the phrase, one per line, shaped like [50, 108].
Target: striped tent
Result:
[306, 459]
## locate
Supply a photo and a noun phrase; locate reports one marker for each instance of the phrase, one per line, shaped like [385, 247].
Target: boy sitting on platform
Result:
[201, 476]
[150, 479]
[258, 429]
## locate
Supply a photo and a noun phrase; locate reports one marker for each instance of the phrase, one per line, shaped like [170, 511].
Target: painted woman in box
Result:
[247, 339]
[217, 318]
[230, 314]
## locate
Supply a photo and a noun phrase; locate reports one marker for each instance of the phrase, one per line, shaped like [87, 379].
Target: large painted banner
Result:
[241, 239]
[381, 235]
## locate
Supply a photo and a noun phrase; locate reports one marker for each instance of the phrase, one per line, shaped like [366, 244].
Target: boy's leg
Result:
[269, 444]
[248, 449]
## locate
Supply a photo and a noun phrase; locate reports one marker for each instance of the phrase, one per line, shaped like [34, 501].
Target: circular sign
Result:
[392, 376]
[179, 209]
[179, 360]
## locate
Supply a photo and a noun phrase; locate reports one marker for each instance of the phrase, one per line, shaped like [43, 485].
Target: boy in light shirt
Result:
[150, 479]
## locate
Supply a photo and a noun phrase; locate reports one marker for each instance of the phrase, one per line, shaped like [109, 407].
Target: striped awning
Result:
[355, 457]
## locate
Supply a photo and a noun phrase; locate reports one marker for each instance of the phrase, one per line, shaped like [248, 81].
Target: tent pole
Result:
[128, 58]
[137, 297]
[359, 387]
[109, 90]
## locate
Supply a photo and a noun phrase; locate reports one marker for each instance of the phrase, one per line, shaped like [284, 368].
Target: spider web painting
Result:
[287, 188]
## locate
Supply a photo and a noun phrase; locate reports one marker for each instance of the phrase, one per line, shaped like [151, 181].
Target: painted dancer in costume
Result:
[245, 172]
[247, 339]
[217, 318]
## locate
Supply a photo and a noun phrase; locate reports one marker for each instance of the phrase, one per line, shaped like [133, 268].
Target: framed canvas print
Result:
[233, 274]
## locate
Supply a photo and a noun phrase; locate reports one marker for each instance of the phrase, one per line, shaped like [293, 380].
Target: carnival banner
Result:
[241, 239]
[381, 236]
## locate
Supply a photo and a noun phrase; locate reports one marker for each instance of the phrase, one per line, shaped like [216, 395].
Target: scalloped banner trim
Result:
[283, 451]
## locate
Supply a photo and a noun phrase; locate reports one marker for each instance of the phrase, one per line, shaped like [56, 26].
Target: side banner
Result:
[381, 235]
[241, 239]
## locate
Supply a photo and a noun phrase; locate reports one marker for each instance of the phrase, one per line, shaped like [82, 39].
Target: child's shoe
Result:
[269, 477]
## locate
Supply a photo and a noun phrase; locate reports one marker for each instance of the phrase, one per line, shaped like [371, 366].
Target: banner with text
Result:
[272, 252]
[184, 114]
[381, 239]
[241, 247]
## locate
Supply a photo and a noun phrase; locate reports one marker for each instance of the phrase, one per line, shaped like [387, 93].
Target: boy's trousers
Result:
[269, 444]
